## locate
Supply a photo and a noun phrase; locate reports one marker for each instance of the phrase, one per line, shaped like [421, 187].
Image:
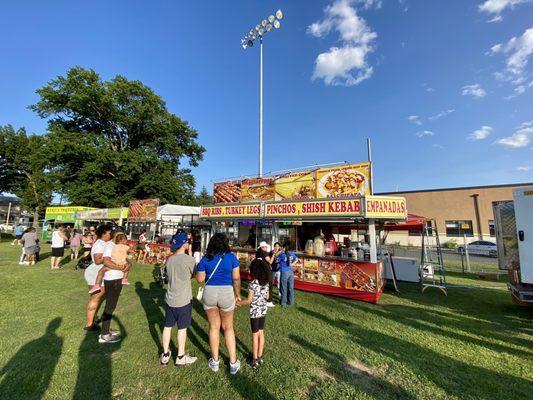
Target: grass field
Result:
[473, 344]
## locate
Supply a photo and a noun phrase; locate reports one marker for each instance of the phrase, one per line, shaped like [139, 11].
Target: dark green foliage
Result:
[25, 169]
[114, 141]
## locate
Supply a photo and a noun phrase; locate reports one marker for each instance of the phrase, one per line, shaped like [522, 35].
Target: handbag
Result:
[200, 294]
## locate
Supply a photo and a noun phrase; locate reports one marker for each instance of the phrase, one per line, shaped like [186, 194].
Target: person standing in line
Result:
[88, 239]
[264, 253]
[143, 250]
[288, 261]
[22, 259]
[113, 287]
[180, 269]
[276, 273]
[19, 231]
[257, 299]
[29, 242]
[58, 246]
[219, 269]
[75, 243]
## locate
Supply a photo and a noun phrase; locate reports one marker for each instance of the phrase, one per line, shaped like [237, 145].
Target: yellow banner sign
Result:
[231, 211]
[384, 207]
[315, 208]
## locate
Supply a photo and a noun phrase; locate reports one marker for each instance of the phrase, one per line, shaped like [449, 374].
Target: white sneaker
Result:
[270, 304]
[165, 358]
[185, 360]
[109, 338]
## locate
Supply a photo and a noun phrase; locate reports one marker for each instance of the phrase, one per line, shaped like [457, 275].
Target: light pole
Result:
[248, 40]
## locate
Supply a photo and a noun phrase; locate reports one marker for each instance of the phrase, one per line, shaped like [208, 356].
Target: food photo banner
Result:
[350, 180]
[143, 210]
[379, 207]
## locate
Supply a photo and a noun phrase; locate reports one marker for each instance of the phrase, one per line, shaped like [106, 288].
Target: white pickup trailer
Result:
[513, 220]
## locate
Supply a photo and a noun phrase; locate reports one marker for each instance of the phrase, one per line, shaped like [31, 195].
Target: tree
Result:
[25, 169]
[204, 198]
[115, 141]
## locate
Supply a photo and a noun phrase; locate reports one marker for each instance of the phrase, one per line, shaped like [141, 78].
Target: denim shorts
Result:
[180, 316]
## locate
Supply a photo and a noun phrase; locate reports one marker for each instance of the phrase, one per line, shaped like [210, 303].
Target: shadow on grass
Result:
[95, 369]
[28, 373]
[339, 368]
[456, 378]
[153, 300]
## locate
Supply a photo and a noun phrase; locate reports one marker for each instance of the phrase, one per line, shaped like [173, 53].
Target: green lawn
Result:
[473, 344]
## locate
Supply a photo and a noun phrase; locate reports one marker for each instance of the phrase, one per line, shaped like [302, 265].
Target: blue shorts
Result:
[180, 316]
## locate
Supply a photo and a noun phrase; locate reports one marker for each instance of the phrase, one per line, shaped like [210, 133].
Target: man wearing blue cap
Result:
[180, 269]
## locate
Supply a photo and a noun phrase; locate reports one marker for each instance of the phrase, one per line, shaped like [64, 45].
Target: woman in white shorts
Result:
[103, 235]
[220, 270]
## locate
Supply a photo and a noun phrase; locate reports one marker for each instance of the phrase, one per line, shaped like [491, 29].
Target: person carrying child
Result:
[119, 256]
[257, 299]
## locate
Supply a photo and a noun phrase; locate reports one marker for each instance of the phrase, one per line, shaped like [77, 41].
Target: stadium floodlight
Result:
[258, 32]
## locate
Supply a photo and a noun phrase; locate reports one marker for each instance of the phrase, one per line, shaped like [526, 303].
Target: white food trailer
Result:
[513, 221]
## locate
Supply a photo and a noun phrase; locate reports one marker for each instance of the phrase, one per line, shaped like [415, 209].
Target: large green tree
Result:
[204, 198]
[25, 169]
[115, 140]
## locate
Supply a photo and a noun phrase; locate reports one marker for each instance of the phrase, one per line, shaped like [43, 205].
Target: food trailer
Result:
[65, 215]
[327, 215]
[115, 216]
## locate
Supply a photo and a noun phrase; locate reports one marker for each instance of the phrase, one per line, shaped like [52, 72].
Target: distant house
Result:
[15, 211]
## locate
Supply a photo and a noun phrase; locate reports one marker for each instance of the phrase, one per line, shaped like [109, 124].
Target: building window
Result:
[492, 231]
[459, 228]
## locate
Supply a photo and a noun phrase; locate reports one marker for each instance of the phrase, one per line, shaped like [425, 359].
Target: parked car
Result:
[481, 247]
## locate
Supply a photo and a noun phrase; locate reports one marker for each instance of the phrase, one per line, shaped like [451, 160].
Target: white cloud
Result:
[518, 51]
[524, 168]
[424, 133]
[441, 114]
[521, 138]
[481, 133]
[345, 65]
[474, 90]
[415, 119]
[495, 7]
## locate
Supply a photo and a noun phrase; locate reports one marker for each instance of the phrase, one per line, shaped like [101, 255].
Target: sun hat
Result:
[178, 240]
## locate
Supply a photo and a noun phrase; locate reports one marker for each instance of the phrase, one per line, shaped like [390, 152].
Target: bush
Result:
[452, 244]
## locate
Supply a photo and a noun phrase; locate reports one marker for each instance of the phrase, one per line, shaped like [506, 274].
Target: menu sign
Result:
[143, 210]
[231, 211]
[344, 181]
[295, 185]
[227, 192]
[348, 180]
[314, 208]
[385, 207]
[257, 189]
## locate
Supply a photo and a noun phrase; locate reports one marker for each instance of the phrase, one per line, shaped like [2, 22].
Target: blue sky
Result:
[443, 88]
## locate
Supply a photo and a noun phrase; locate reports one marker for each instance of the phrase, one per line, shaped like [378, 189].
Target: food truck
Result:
[65, 215]
[327, 216]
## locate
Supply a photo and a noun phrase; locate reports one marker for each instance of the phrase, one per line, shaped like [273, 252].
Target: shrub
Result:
[452, 244]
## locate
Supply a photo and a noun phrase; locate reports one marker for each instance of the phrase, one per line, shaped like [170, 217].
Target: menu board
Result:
[227, 192]
[143, 210]
[257, 189]
[295, 185]
[347, 180]
[344, 181]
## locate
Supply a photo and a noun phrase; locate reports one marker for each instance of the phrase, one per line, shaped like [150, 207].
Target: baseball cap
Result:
[178, 240]
[263, 244]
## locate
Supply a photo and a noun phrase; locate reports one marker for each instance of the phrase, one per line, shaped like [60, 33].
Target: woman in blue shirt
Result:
[287, 260]
[219, 269]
